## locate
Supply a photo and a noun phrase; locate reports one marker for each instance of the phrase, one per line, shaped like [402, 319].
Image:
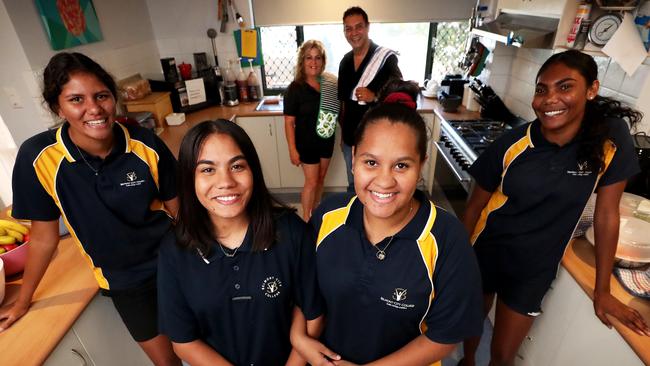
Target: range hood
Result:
[520, 30]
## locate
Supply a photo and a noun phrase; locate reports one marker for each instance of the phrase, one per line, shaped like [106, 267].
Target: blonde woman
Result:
[310, 115]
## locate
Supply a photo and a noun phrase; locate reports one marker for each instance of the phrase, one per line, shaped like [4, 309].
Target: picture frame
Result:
[69, 23]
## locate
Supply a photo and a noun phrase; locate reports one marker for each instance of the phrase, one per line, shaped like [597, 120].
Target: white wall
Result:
[511, 72]
[180, 29]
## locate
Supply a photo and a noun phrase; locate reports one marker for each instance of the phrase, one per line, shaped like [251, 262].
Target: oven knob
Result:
[448, 144]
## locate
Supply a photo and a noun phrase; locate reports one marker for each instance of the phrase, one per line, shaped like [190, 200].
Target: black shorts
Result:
[138, 308]
[312, 154]
[520, 289]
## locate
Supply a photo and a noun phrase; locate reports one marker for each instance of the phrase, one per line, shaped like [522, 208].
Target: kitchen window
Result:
[426, 50]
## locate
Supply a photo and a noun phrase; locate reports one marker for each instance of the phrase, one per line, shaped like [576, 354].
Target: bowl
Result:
[175, 119]
[14, 260]
[633, 248]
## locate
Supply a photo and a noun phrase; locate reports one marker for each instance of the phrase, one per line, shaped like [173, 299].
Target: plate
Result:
[428, 94]
[633, 240]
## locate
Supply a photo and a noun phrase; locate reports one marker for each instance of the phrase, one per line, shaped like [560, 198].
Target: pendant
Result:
[380, 255]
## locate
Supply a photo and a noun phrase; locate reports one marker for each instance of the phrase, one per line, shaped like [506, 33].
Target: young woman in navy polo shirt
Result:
[239, 263]
[532, 186]
[115, 188]
[397, 274]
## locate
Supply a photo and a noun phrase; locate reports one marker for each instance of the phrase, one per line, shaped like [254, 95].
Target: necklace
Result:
[229, 255]
[381, 253]
[86, 161]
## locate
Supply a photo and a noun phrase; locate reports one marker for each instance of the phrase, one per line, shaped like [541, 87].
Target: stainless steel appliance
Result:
[461, 142]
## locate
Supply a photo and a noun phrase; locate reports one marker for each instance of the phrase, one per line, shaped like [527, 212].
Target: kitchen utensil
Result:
[175, 119]
[431, 88]
[212, 34]
[238, 17]
[450, 103]
[633, 242]
[224, 15]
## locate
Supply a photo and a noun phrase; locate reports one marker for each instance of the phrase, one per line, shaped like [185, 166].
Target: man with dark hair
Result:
[362, 73]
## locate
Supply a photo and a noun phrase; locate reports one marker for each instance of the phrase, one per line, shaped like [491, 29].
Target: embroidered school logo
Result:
[397, 301]
[131, 180]
[399, 294]
[581, 171]
[271, 287]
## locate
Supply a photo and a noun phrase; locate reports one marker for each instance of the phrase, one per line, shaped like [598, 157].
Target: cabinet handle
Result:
[270, 130]
[529, 338]
[520, 356]
[80, 356]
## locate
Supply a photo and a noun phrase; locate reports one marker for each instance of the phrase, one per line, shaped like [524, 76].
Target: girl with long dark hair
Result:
[532, 186]
[239, 263]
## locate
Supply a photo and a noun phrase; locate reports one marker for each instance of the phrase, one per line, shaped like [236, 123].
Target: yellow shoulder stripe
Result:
[429, 253]
[332, 220]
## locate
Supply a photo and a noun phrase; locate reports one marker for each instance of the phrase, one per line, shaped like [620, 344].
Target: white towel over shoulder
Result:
[374, 65]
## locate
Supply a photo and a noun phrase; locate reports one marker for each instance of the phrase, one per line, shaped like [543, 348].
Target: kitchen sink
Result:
[270, 104]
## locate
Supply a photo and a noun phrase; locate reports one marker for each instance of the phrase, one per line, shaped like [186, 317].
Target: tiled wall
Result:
[511, 72]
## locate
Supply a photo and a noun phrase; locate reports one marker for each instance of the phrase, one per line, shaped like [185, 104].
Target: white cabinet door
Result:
[69, 352]
[290, 175]
[105, 336]
[262, 132]
[433, 129]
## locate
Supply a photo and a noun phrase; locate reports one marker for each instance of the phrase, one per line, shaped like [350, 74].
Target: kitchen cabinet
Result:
[569, 333]
[432, 122]
[99, 338]
[262, 132]
[551, 8]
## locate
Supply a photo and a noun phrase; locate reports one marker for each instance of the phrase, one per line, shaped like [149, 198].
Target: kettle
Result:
[185, 70]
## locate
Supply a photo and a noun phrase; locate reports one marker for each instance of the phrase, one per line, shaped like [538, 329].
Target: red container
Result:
[15, 259]
[185, 70]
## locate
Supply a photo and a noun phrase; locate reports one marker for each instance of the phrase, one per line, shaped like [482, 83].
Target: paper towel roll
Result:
[472, 105]
[467, 95]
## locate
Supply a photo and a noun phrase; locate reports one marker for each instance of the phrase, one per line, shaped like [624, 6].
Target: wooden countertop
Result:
[173, 135]
[66, 288]
[579, 260]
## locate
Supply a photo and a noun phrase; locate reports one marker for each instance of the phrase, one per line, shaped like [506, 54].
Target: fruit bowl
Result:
[14, 238]
[15, 259]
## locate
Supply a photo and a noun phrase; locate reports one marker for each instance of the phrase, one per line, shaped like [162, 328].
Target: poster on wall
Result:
[69, 23]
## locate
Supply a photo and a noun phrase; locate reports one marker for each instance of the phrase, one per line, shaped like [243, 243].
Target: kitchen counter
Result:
[173, 135]
[66, 288]
[579, 260]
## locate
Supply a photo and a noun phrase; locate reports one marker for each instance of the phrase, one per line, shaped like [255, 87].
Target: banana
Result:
[15, 234]
[6, 224]
[6, 239]
[3, 232]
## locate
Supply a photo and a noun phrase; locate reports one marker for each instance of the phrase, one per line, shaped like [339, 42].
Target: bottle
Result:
[253, 83]
[581, 38]
[581, 15]
[242, 84]
[230, 87]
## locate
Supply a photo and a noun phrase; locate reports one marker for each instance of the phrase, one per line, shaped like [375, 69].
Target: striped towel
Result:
[635, 281]
[328, 112]
[374, 65]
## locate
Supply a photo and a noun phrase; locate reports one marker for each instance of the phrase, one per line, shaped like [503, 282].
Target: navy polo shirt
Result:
[428, 283]
[241, 306]
[539, 192]
[117, 215]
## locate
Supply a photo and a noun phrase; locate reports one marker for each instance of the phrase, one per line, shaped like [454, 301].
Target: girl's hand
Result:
[9, 315]
[295, 157]
[606, 304]
[314, 351]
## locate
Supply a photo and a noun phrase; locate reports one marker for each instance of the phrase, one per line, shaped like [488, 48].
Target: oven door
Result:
[451, 180]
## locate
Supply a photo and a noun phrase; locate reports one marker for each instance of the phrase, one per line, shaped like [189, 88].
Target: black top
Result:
[118, 215]
[428, 283]
[303, 102]
[348, 79]
[242, 305]
[540, 190]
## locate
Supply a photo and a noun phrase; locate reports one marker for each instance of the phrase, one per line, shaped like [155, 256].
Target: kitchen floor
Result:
[439, 199]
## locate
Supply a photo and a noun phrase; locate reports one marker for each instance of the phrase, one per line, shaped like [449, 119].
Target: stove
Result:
[461, 142]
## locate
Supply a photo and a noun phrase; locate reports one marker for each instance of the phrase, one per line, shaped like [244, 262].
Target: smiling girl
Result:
[397, 273]
[239, 264]
[532, 186]
[113, 185]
